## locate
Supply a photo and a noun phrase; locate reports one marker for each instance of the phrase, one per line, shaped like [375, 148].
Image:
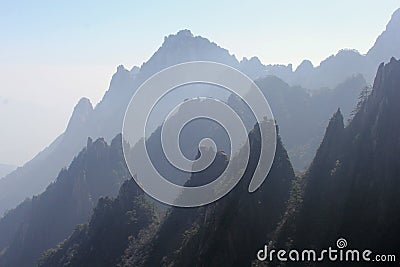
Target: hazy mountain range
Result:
[93, 214]
[105, 119]
[346, 62]
[350, 189]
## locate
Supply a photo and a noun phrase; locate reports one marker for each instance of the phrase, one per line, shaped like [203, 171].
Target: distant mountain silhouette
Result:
[345, 63]
[43, 221]
[331, 71]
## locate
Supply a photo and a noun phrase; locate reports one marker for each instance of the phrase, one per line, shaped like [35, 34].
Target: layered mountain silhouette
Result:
[205, 236]
[45, 220]
[105, 119]
[329, 73]
[352, 188]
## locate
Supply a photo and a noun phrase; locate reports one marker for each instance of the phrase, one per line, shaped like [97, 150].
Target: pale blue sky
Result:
[104, 32]
[54, 52]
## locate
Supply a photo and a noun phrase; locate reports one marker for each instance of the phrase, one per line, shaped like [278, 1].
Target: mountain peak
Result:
[184, 47]
[80, 115]
[252, 59]
[83, 107]
[338, 114]
[253, 67]
[393, 60]
[333, 131]
[336, 122]
[84, 102]
[185, 32]
[182, 35]
[120, 76]
[121, 68]
[305, 65]
[386, 77]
